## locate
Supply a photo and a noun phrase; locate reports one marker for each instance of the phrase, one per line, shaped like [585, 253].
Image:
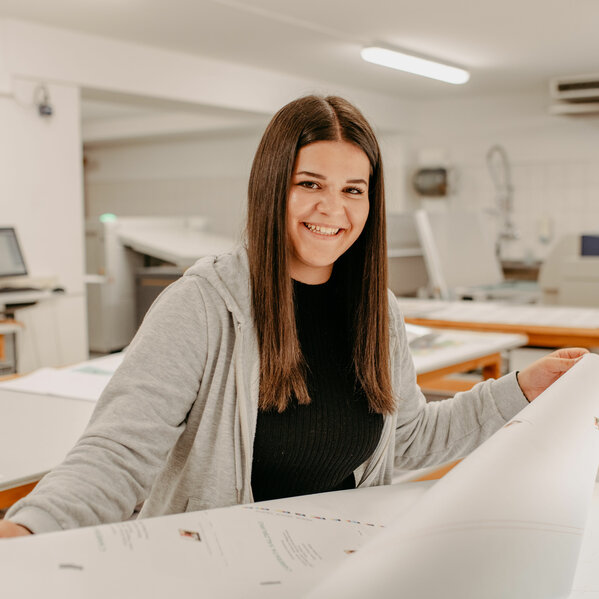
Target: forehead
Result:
[336, 157]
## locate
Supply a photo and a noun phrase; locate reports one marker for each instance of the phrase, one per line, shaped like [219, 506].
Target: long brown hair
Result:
[363, 266]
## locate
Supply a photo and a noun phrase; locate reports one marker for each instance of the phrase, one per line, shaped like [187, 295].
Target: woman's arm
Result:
[439, 431]
[137, 421]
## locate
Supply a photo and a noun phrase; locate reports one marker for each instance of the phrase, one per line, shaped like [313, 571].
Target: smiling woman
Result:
[316, 199]
[278, 369]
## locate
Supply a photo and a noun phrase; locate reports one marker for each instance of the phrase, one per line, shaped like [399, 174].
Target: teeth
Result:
[321, 230]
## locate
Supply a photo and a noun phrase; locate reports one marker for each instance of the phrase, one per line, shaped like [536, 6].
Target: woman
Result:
[278, 370]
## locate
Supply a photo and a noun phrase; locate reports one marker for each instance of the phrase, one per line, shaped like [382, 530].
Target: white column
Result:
[41, 195]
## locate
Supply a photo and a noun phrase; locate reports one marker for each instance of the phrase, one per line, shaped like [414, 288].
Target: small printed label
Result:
[194, 535]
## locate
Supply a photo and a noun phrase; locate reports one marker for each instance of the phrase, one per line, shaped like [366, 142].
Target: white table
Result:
[23, 297]
[179, 246]
[8, 327]
[545, 326]
[454, 351]
[38, 428]
[36, 432]
[16, 298]
[454, 347]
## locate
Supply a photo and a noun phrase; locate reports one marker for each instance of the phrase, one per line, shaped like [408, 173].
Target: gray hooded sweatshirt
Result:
[175, 426]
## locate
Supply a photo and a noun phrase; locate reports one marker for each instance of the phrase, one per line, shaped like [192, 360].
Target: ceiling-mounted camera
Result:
[42, 100]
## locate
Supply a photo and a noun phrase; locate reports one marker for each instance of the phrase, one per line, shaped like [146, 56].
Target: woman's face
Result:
[327, 207]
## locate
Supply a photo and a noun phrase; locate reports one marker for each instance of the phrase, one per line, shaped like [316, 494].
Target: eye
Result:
[354, 190]
[309, 184]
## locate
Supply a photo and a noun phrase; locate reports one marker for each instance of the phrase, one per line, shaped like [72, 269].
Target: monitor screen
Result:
[11, 258]
[589, 245]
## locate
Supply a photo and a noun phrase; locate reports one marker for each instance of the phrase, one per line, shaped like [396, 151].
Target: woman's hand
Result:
[10, 529]
[534, 379]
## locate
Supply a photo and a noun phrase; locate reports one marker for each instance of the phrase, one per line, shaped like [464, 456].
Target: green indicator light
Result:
[107, 217]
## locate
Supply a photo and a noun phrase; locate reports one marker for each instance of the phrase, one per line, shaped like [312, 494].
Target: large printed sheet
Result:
[508, 522]
[270, 549]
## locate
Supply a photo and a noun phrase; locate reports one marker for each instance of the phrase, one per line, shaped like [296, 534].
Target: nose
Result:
[331, 203]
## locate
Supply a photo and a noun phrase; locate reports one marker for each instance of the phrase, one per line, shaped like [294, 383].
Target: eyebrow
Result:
[317, 176]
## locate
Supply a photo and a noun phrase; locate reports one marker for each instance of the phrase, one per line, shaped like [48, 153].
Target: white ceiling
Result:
[509, 46]
[99, 105]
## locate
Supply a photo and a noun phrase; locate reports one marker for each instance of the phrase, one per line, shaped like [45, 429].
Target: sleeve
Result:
[436, 432]
[136, 422]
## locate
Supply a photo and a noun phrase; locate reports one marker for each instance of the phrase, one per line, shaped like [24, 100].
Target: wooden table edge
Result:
[541, 336]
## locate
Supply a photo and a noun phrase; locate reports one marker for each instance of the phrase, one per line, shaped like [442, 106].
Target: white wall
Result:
[41, 194]
[555, 163]
[204, 176]
[5, 79]
[395, 150]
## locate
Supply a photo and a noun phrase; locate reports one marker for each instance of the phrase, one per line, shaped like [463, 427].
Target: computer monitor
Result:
[12, 263]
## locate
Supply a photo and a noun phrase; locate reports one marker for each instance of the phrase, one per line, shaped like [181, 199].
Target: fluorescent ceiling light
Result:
[415, 65]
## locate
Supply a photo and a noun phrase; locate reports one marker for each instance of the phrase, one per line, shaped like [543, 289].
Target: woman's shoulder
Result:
[219, 282]
[226, 265]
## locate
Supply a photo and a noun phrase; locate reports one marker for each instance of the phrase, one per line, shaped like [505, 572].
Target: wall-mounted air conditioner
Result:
[576, 95]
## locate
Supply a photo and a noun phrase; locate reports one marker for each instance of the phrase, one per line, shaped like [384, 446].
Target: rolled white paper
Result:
[506, 523]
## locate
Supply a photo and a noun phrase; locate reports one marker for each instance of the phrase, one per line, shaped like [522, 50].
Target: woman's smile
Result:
[324, 230]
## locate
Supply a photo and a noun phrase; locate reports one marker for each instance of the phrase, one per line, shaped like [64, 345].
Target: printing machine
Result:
[129, 260]
[569, 275]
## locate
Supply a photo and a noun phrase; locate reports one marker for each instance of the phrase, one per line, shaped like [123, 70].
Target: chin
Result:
[319, 261]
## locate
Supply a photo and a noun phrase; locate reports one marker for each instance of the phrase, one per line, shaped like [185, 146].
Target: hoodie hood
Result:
[229, 274]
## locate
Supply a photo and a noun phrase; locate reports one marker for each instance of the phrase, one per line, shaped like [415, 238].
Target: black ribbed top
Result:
[315, 448]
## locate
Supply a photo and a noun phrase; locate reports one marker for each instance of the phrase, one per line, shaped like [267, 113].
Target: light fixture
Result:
[415, 65]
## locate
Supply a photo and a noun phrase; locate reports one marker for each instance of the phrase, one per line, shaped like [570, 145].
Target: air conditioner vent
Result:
[577, 89]
[580, 109]
[567, 87]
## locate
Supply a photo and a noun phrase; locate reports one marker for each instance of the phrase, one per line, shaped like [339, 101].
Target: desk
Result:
[51, 408]
[180, 246]
[36, 431]
[8, 358]
[23, 297]
[16, 299]
[545, 326]
[460, 351]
